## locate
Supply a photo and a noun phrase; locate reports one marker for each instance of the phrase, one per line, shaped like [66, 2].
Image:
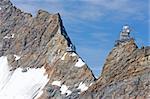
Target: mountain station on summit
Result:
[125, 33]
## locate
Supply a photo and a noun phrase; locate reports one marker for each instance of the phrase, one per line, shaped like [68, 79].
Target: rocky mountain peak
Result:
[125, 74]
[38, 48]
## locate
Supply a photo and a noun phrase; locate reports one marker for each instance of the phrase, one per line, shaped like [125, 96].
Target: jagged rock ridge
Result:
[125, 75]
[37, 46]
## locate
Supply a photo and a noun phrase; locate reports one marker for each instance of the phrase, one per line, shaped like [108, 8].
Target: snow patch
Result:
[64, 90]
[56, 83]
[5, 74]
[17, 57]
[59, 51]
[68, 92]
[64, 56]
[59, 30]
[79, 63]
[82, 87]
[9, 37]
[73, 54]
[13, 35]
[91, 84]
[18, 85]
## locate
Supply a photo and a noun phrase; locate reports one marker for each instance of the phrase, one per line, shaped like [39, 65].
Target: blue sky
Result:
[94, 25]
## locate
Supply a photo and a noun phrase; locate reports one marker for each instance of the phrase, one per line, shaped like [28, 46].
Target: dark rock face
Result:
[41, 41]
[125, 75]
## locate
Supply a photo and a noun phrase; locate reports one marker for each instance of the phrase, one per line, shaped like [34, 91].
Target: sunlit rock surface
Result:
[125, 75]
[33, 57]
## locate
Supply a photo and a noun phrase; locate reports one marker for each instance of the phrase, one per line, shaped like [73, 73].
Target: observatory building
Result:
[125, 33]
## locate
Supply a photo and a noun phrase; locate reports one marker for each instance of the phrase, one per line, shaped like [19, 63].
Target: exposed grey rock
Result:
[125, 75]
[40, 41]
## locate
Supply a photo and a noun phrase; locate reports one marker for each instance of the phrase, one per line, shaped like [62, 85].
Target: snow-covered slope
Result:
[18, 84]
[5, 74]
